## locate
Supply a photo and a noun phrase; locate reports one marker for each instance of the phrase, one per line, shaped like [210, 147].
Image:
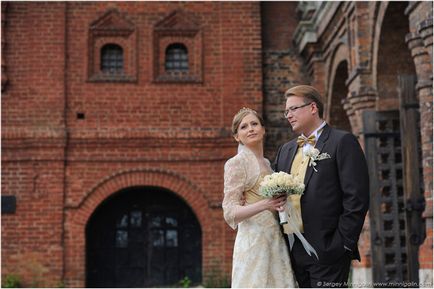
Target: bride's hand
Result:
[276, 203]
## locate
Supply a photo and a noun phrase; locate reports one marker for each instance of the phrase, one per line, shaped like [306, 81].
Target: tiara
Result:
[246, 109]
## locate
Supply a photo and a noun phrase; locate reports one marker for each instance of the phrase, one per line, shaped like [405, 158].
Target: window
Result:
[176, 57]
[112, 48]
[112, 59]
[177, 53]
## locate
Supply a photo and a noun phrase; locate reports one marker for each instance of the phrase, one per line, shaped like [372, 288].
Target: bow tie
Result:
[302, 140]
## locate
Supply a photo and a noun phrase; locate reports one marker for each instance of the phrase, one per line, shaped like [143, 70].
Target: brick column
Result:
[3, 42]
[423, 63]
[355, 104]
[425, 31]
[316, 65]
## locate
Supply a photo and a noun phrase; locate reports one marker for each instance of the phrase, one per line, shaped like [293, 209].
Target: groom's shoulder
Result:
[339, 132]
[289, 143]
[340, 135]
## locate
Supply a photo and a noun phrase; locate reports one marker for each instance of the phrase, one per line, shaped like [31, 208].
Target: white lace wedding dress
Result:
[261, 256]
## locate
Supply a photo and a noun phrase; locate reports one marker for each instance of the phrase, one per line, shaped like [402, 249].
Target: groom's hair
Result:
[309, 94]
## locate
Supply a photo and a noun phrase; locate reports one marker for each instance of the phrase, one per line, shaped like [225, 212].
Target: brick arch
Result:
[104, 43]
[340, 54]
[170, 43]
[77, 217]
[378, 17]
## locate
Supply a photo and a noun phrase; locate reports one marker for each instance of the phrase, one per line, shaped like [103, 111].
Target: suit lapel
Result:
[292, 150]
[319, 146]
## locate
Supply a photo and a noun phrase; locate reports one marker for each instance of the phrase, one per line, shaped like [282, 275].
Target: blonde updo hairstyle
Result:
[239, 117]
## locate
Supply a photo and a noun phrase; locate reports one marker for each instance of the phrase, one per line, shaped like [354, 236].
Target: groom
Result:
[336, 197]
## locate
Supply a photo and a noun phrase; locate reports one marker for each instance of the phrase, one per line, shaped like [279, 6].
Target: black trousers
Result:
[310, 274]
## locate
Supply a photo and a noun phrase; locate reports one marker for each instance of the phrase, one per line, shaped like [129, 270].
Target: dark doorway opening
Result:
[143, 237]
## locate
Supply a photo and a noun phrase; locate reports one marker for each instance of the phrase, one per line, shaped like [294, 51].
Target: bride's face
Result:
[250, 131]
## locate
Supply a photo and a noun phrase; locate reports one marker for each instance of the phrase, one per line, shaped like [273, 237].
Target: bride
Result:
[261, 256]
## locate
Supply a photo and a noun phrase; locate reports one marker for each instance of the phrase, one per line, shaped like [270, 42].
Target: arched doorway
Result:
[392, 146]
[338, 116]
[143, 237]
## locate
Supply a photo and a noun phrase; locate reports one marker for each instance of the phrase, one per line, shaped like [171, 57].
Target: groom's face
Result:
[300, 113]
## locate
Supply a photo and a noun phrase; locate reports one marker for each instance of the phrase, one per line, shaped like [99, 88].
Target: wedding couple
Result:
[333, 206]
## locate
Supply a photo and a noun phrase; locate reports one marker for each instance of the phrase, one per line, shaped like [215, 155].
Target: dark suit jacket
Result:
[336, 198]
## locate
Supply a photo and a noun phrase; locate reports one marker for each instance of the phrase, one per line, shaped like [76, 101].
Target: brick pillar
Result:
[3, 41]
[318, 72]
[355, 104]
[425, 31]
[423, 63]
[282, 68]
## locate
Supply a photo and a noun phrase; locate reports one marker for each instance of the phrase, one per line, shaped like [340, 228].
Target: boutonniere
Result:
[314, 156]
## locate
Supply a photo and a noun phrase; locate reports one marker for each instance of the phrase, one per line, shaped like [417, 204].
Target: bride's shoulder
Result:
[237, 160]
[242, 159]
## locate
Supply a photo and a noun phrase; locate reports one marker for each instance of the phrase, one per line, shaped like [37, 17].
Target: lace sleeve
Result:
[234, 180]
[269, 164]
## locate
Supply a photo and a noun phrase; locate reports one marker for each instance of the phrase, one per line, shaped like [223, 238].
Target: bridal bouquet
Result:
[278, 184]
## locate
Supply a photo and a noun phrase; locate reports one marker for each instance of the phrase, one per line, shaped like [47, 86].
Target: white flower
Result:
[314, 155]
[312, 152]
[280, 183]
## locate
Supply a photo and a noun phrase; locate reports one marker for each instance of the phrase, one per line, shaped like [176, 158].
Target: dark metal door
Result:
[392, 147]
[143, 237]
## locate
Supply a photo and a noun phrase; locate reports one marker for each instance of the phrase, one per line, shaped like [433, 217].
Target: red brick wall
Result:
[422, 56]
[279, 21]
[174, 135]
[33, 142]
[282, 68]
[32, 237]
[384, 39]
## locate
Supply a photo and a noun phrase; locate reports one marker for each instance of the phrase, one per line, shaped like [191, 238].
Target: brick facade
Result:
[73, 136]
[70, 141]
[282, 68]
[374, 42]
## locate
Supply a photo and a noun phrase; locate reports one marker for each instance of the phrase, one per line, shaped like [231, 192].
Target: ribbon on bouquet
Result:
[292, 227]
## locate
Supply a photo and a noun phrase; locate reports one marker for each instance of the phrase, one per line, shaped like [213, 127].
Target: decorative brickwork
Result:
[372, 39]
[70, 141]
[178, 27]
[72, 136]
[112, 28]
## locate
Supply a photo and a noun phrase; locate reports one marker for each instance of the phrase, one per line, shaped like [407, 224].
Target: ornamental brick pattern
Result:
[70, 140]
[376, 42]
[72, 137]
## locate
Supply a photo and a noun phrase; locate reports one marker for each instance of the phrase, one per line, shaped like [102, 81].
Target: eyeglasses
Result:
[294, 109]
